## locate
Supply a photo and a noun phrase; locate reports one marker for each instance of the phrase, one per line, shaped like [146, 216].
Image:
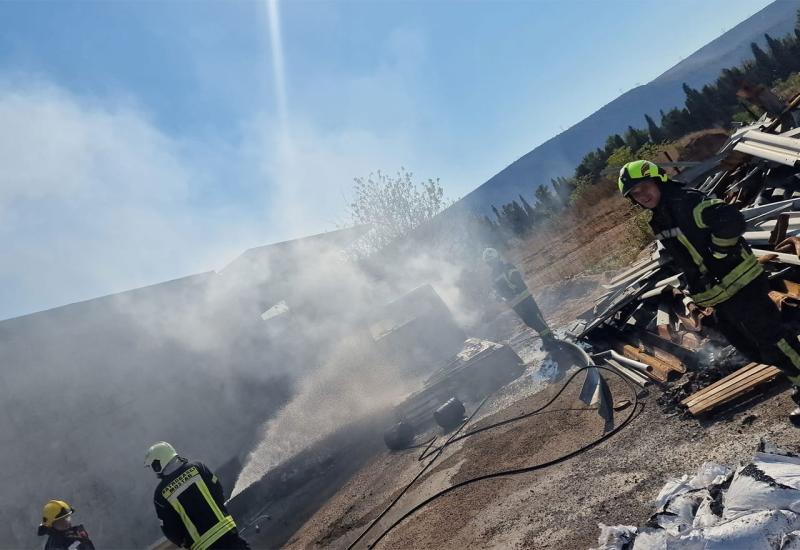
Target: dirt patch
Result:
[558, 507]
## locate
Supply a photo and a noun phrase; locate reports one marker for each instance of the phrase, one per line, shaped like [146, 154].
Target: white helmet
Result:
[159, 455]
[490, 255]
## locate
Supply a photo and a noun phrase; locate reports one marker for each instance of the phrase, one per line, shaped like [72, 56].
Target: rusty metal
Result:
[790, 287]
[778, 234]
[790, 245]
[783, 300]
[693, 320]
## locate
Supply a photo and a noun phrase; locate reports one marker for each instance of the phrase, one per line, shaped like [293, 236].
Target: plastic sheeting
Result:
[757, 507]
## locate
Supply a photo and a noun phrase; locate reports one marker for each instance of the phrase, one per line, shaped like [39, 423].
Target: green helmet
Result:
[490, 255]
[639, 171]
[159, 455]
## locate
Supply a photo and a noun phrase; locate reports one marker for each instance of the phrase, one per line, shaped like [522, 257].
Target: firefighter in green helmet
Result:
[703, 237]
[511, 288]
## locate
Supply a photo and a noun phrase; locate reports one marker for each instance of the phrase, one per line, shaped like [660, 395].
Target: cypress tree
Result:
[527, 207]
[763, 70]
[497, 215]
[656, 135]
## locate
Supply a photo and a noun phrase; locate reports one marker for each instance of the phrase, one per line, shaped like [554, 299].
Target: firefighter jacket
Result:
[191, 506]
[508, 284]
[704, 238]
[74, 538]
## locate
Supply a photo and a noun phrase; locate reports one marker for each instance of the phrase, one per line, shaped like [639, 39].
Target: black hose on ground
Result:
[453, 438]
[438, 451]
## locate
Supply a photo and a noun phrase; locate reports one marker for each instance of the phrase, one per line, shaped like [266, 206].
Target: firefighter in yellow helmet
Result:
[190, 502]
[57, 525]
[511, 289]
[703, 237]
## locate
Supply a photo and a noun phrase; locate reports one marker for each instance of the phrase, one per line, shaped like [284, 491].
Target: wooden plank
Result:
[733, 387]
[658, 368]
[671, 360]
[729, 383]
[733, 393]
[719, 384]
[744, 371]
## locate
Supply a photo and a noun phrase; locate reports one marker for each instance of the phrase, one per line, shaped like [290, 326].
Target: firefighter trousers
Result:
[530, 314]
[752, 324]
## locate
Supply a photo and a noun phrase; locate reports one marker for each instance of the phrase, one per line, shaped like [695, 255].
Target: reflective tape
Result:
[212, 535]
[697, 258]
[519, 298]
[789, 352]
[725, 243]
[700, 208]
[739, 277]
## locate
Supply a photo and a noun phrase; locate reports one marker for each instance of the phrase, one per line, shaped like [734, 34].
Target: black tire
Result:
[399, 437]
[451, 414]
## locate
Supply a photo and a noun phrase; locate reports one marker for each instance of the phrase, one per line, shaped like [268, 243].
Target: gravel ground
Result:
[560, 506]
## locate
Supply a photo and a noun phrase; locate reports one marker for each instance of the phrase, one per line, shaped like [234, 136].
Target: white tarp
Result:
[755, 508]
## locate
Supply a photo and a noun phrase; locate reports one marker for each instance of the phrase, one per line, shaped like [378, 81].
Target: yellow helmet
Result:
[55, 510]
[159, 455]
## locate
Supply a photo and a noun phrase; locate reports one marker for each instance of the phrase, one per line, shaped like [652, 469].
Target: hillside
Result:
[559, 155]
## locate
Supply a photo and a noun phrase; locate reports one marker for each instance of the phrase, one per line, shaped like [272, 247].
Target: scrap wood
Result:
[790, 287]
[731, 387]
[789, 245]
[657, 368]
[666, 349]
[783, 300]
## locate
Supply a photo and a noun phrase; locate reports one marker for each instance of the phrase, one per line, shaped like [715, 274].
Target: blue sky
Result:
[141, 141]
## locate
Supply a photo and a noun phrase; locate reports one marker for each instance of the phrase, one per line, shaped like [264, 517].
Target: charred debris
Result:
[654, 333]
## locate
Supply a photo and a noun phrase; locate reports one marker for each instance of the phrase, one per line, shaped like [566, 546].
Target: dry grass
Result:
[601, 231]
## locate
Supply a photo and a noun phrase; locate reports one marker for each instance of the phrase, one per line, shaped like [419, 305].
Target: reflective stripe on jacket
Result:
[508, 283]
[703, 237]
[191, 506]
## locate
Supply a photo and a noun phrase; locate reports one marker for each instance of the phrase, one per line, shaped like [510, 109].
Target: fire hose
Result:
[436, 452]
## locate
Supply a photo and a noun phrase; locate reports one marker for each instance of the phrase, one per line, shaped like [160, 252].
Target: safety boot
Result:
[794, 416]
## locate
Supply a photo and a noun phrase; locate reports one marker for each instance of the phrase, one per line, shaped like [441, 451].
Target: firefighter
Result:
[190, 502]
[703, 236]
[509, 286]
[57, 525]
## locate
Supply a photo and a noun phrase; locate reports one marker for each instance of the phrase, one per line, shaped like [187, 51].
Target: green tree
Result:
[591, 165]
[653, 130]
[701, 112]
[527, 207]
[392, 206]
[675, 123]
[635, 138]
[781, 55]
[620, 157]
[763, 70]
[613, 143]
[546, 202]
[564, 187]
[515, 219]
